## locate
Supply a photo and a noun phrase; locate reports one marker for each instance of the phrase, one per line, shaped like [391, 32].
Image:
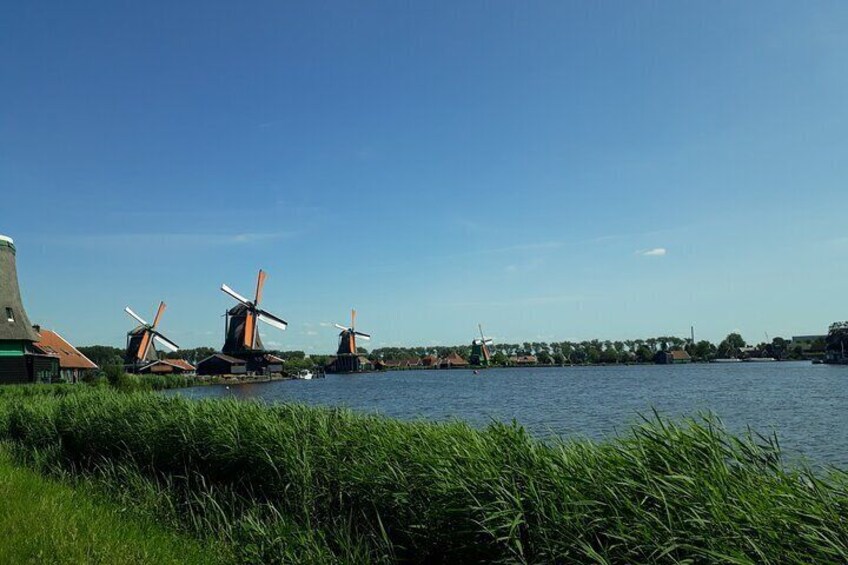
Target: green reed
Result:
[290, 482]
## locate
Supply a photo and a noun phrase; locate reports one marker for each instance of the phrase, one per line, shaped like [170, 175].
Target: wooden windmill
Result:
[242, 332]
[347, 356]
[18, 363]
[480, 353]
[141, 340]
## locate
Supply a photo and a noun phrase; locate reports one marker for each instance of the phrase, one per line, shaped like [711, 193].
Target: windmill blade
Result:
[158, 314]
[165, 342]
[488, 341]
[362, 335]
[143, 346]
[134, 315]
[272, 320]
[260, 282]
[352, 318]
[249, 330]
[341, 327]
[235, 295]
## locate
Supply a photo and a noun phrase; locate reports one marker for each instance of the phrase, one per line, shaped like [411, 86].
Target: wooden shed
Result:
[220, 364]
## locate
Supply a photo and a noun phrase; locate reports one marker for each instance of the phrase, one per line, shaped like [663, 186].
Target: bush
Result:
[113, 374]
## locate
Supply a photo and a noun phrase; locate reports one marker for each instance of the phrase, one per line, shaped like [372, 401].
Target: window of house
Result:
[10, 316]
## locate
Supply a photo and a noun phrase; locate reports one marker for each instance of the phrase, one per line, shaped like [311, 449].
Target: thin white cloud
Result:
[174, 240]
[655, 252]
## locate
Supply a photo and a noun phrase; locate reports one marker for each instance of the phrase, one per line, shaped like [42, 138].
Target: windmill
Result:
[347, 338]
[242, 332]
[18, 362]
[347, 357]
[480, 354]
[141, 340]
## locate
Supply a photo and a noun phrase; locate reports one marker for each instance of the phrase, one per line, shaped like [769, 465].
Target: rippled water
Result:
[804, 403]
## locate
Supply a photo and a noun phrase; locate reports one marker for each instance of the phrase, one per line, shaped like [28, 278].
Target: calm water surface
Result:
[804, 403]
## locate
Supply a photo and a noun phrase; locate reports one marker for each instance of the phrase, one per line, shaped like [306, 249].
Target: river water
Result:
[804, 404]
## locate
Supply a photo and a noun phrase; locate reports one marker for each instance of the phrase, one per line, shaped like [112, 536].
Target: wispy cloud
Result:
[655, 252]
[173, 240]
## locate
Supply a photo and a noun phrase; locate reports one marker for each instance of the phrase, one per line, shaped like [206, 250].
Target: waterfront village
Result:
[30, 353]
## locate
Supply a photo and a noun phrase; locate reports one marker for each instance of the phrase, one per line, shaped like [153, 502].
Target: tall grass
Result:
[46, 521]
[334, 485]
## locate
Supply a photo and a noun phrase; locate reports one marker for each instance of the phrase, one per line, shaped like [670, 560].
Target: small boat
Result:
[304, 374]
[731, 360]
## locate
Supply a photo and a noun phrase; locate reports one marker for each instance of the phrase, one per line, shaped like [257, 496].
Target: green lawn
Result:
[45, 521]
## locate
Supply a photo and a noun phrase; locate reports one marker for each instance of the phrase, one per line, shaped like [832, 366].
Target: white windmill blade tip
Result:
[132, 314]
[234, 294]
[166, 343]
[272, 320]
[362, 335]
[341, 327]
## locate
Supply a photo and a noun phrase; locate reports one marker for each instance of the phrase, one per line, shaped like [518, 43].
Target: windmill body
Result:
[142, 340]
[481, 353]
[241, 336]
[347, 356]
[18, 361]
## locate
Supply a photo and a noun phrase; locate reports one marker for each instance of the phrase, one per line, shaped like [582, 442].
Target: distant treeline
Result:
[607, 351]
[556, 353]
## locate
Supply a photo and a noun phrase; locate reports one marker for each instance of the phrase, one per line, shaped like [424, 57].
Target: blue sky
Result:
[433, 164]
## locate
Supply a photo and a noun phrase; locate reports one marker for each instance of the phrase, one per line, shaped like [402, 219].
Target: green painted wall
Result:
[11, 348]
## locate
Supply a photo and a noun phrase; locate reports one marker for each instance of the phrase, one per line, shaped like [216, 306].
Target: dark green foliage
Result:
[103, 355]
[114, 374]
[328, 484]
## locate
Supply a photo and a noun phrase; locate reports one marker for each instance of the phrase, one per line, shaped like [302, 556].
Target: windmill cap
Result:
[6, 239]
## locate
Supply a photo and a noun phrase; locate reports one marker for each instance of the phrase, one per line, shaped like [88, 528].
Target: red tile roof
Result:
[52, 343]
[181, 363]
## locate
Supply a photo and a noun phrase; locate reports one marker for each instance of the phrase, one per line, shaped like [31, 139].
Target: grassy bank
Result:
[46, 521]
[293, 483]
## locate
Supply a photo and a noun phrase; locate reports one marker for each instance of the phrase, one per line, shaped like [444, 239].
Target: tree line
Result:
[593, 351]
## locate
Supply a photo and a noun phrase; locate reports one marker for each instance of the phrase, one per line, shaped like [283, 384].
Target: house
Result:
[410, 363]
[452, 361]
[72, 364]
[365, 364]
[220, 364]
[386, 364]
[676, 357]
[523, 360]
[168, 367]
[430, 361]
[272, 363]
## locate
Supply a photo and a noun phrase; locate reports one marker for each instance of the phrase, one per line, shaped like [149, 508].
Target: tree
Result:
[703, 350]
[103, 355]
[609, 355]
[731, 345]
[544, 358]
[500, 358]
[644, 354]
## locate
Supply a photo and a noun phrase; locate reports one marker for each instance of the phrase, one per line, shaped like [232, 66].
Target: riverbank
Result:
[289, 483]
